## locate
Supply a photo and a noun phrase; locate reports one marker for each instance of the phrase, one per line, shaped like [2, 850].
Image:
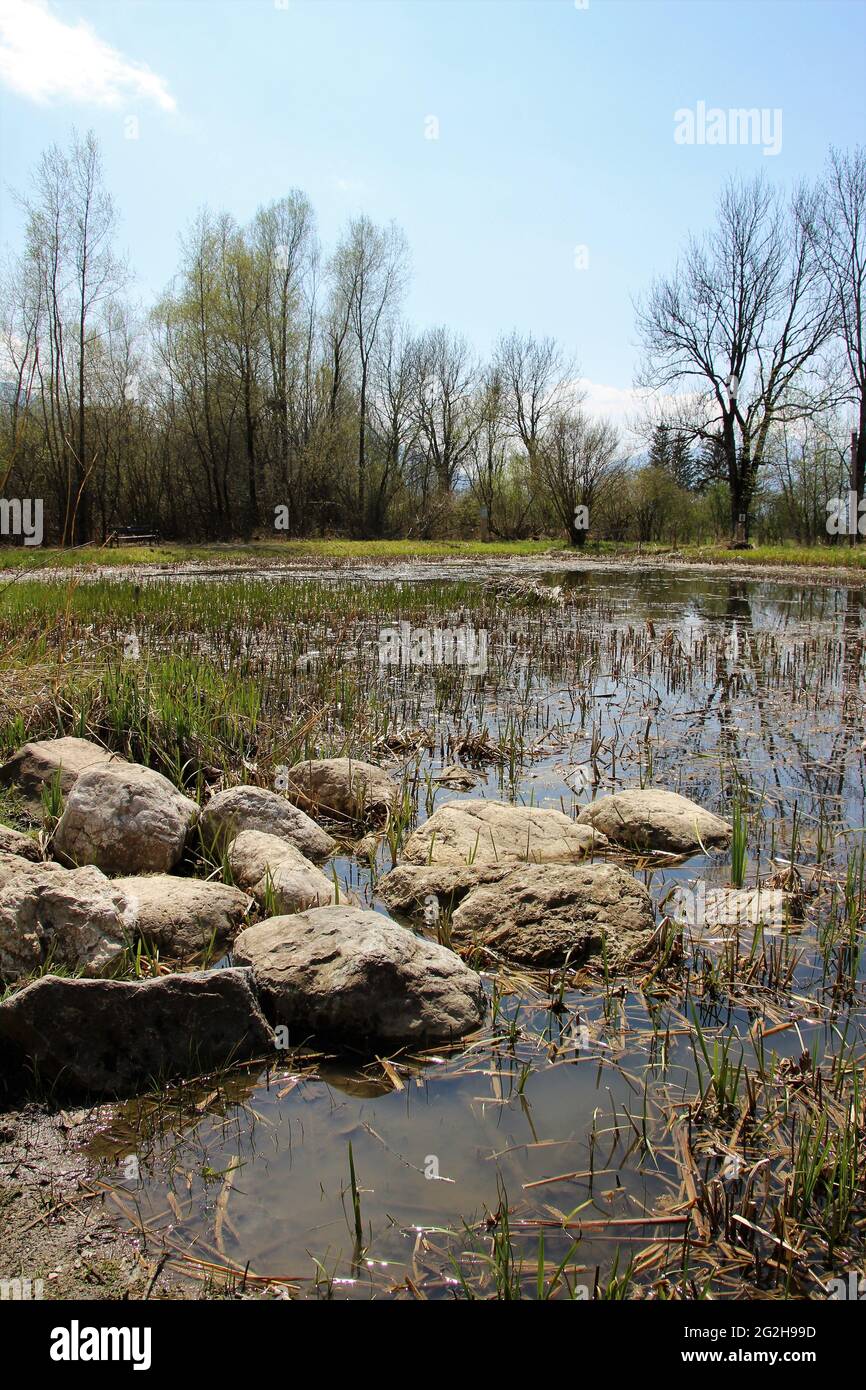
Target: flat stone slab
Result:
[354, 976]
[495, 832]
[116, 1037]
[256, 808]
[654, 819]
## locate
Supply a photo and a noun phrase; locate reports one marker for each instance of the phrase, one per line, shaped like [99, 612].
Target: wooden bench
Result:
[133, 535]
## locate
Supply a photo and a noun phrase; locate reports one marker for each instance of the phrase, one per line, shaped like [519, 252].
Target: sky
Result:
[544, 157]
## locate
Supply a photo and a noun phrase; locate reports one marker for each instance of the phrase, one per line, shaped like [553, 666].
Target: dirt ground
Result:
[54, 1229]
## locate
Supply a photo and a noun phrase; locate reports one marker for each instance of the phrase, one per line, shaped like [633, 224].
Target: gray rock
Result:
[408, 888]
[543, 915]
[655, 819]
[11, 865]
[74, 918]
[125, 819]
[457, 778]
[112, 1037]
[495, 832]
[36, 764]
[723, 908]
[275, 872]
[255, 808]
[184, 916]
[14, 842]
[343, 788]
[351, 975]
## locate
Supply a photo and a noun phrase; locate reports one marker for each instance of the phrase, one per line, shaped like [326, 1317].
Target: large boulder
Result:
[351, 975]
[73, 918]
[112, 1037]
[36, 764]
[410, 888]
[276, 873]
[342, 788]
[543, 915]
[125, 819]
[184, 916]
[255, 808]
[495, 832]
[15, 842]
[650, 818]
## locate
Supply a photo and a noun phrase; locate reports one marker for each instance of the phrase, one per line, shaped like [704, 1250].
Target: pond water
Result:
[563, 1112]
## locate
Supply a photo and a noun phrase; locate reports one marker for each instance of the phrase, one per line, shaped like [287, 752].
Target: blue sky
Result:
[555, 130]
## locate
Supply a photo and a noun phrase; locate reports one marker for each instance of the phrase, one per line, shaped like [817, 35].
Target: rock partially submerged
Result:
[256, 808]
[495, 832]
[346, 974]
[409, 888]
[457, 778]
[543, 915]
[74, 918]
[276, 873]
[184, 916]
[112, 1037]
[36, 765]
[342, 788]
[727, 908]
[650, 818]
[125, 819]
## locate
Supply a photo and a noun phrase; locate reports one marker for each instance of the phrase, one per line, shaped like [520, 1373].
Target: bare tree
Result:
[70, 226]
[738, 329]
[837, 227]
[536, 383]
[368, 271]
[393, 421]
[447, 421]
[285, 247]
[579, 463]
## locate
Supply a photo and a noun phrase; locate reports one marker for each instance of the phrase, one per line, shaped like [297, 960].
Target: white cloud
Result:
[44, 59]
[617, 403]
[623, 406]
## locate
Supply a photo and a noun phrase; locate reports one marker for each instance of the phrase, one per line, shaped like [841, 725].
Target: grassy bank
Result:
[240, 553]
[245, 552]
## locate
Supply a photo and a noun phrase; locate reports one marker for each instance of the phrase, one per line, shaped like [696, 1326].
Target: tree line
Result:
[277, 388]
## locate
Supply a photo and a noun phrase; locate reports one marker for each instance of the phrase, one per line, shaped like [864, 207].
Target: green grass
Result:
[20, 558]
[247, 552]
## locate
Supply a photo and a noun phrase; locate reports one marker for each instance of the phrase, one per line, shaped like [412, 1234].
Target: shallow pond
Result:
[564, 1117]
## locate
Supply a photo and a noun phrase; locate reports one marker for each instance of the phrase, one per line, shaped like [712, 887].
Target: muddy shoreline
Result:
[449, 568]
[55, 1225]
